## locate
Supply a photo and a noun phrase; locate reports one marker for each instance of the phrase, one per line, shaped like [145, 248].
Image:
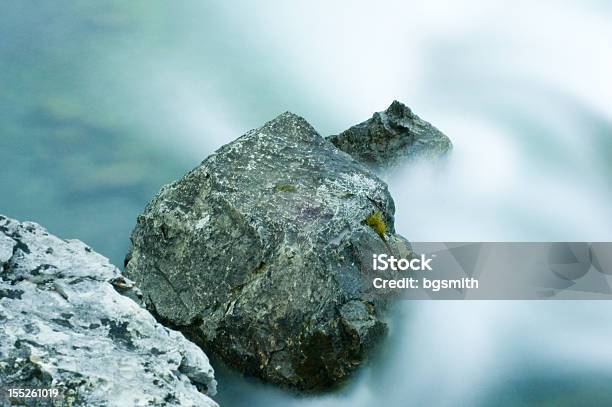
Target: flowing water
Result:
[102, 103]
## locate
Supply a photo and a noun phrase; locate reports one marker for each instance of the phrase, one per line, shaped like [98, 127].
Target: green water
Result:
[74, 158]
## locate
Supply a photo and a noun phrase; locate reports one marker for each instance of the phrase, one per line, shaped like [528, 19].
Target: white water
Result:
[524, 92]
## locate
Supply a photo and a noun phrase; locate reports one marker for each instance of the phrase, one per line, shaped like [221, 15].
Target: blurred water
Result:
[102, 103]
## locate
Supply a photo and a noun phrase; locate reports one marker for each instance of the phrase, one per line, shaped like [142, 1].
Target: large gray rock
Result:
[258, 255]
[392, 137]
[64, 325]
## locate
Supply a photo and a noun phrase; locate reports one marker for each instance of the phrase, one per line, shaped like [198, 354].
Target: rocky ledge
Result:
[258, 255]
[392, 137]
[65, 324]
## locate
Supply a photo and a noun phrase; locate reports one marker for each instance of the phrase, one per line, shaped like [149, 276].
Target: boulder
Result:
[65, 325]
[258, 255]
[392, 137]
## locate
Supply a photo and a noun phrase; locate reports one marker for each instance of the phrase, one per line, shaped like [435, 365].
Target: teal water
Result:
[103, 103]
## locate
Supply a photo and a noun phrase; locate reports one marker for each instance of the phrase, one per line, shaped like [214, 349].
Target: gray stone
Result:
[392, 137]
[64, 325]
[258, 255]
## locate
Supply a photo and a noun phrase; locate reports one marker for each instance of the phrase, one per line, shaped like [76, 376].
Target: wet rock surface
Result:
[392, 137]
[258, 255]
[65, 325]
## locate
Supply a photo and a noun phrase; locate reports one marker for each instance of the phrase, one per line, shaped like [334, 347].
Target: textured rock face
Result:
[392, 136]
[63, 324]
[257, 254]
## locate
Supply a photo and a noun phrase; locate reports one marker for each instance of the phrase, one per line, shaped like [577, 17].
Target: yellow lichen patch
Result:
[285, 188]
[376, 222]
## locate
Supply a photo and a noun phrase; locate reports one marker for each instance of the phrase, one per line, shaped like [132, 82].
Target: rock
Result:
[391, 137]
[257, 255]
[64, 325]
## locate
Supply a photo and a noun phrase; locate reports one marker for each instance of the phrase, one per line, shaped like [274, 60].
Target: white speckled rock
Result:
[64, 324]
[258, 255]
